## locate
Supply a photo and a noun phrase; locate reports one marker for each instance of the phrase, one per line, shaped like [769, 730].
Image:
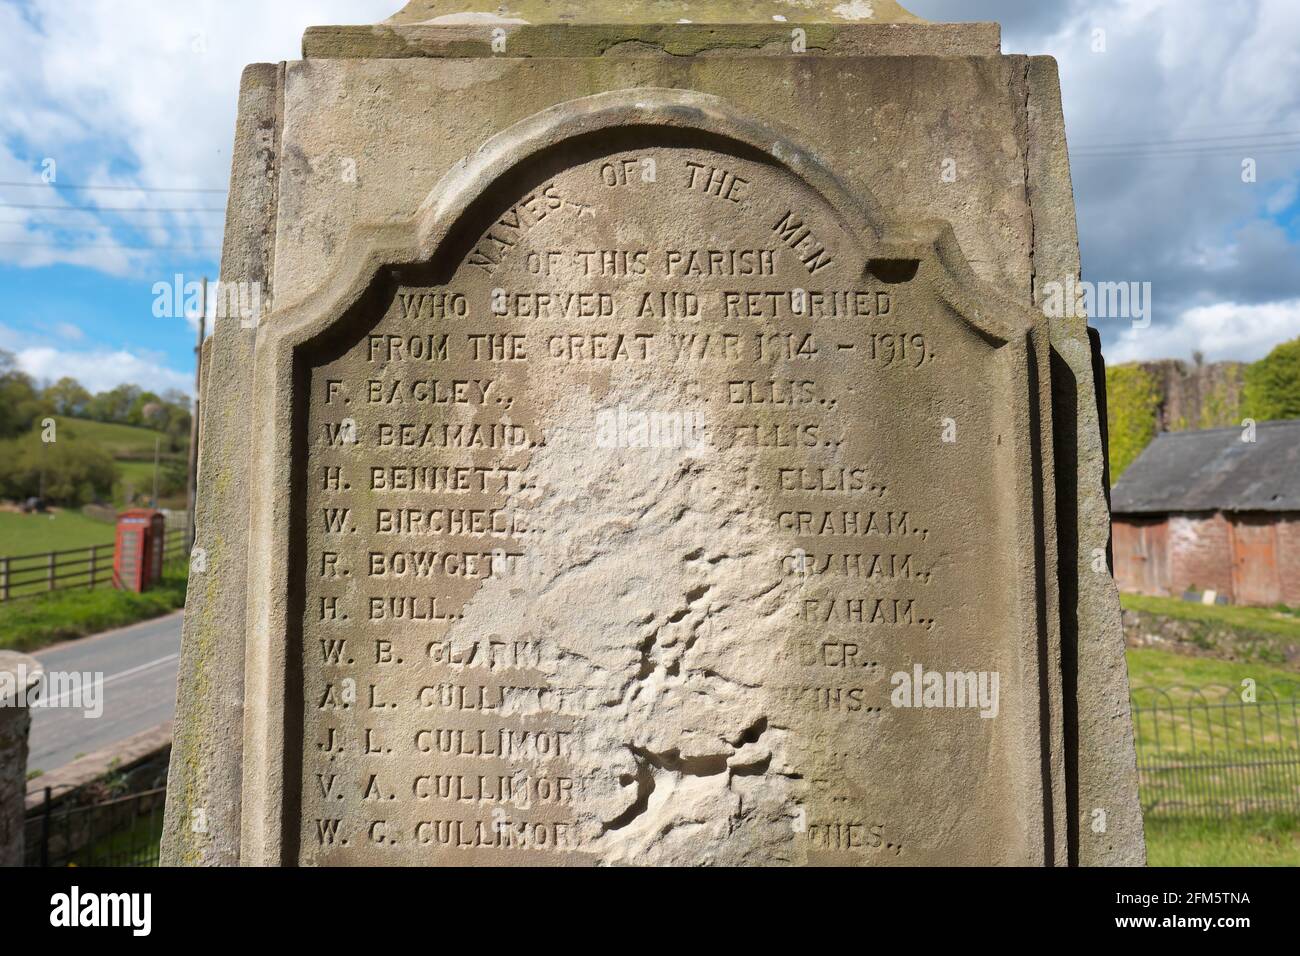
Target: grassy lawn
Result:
[33, 534]
[132, 450]
[120, 441]
[1176, 674]
[135, 845]
[1284, 622]
[1201, 708]
[34, 623]
[1242, 841]
[136, 475]
[1190, 736]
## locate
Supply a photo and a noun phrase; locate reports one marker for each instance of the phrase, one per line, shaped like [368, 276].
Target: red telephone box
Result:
[138, 552]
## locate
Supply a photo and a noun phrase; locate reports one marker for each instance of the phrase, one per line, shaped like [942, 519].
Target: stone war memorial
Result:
[648, 447]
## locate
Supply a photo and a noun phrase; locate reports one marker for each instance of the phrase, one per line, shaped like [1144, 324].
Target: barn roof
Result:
[1214, 470]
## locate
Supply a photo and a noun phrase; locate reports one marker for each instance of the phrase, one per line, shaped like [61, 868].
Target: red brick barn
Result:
[1208, 510]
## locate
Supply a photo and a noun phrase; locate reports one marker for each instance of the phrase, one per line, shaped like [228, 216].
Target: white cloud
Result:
[10, 339]
[1282, 200]
[130, 93]
[27, 235]
[1225, 330]
[99, 370]
[140, 92]
[1158, 125]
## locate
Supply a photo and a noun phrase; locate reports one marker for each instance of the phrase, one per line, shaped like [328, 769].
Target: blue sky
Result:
[140, 95]
[136, 98]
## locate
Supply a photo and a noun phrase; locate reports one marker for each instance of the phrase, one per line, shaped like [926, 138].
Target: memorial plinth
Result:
[652, 454]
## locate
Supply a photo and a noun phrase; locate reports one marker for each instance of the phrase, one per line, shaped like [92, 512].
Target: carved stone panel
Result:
[670, 512]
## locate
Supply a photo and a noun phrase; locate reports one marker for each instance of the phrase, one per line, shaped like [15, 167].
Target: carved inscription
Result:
[613, 540]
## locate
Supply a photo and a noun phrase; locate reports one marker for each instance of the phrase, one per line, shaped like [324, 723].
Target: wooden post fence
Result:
[29, 575]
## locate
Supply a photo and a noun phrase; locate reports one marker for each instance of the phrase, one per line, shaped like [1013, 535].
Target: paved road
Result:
[138, 665]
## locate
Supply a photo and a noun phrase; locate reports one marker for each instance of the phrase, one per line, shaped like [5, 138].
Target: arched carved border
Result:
[373, 251]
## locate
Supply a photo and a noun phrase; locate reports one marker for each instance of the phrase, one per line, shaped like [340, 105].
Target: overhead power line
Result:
[74, 247]
[1246, 139]
[1238, 124]
[1177, 154]
[124, 189]
[1244, 149]
[113, 209]
[60, 227]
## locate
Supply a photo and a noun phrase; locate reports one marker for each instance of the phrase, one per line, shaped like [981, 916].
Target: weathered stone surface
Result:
[677, 27]
[624, 431]
[577, 12]
[205, 774]
[651, 39]
[19, 674]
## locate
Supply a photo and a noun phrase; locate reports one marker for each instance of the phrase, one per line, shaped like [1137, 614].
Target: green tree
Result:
[176, 419]
[20, 403]
[114, 405]
[1132, 402]
[1273, 384]
[69, 473]
[1221, 402]
[145, 410]
[173, 477]
[68, 397]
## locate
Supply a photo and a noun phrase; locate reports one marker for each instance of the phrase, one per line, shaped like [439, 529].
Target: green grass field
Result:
[120, 441]
[1281, 621]
[33, 623]
[137, 844]
[1150, 667]
[1242, 841]
[1191, 725]
[135, 475]
[132, 450]
[34, 534]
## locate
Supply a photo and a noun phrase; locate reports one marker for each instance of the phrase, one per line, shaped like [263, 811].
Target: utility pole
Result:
[192, 482]
[157, 443]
